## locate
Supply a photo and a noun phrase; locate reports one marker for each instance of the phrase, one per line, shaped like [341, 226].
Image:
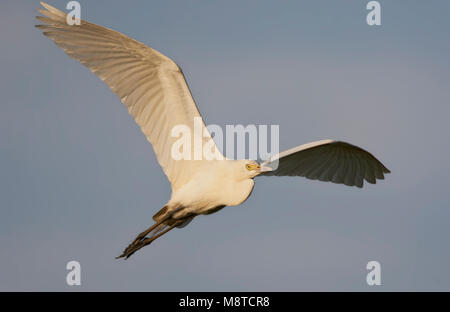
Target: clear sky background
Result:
[78, 179]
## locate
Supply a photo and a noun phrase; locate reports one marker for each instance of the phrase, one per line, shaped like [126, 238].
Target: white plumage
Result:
[156, 94]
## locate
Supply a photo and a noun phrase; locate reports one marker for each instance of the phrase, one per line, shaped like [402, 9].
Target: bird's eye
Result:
[249, 167]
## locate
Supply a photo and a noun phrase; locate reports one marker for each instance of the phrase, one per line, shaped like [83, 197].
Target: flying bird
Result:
[156, 94]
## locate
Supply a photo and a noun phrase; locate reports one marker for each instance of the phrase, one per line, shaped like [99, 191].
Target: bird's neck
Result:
[240, 191]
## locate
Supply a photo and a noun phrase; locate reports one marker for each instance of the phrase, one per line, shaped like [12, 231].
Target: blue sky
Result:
[79, 180]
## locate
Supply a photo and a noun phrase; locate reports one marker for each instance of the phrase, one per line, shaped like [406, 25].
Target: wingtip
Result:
[46, 5]
[51, 9]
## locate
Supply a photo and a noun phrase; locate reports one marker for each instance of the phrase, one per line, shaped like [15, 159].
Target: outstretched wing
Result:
[151, 85]
[328, 160]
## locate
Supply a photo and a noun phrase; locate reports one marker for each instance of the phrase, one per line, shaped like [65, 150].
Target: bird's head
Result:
[250, 168]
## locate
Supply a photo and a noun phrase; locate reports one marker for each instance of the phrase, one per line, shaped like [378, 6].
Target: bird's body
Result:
[156, 94]
[222, 185]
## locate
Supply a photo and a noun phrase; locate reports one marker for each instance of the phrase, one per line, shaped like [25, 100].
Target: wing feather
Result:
[328, 160]
[151, 85]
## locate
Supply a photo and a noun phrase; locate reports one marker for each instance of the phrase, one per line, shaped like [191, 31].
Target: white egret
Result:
[155, 92]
